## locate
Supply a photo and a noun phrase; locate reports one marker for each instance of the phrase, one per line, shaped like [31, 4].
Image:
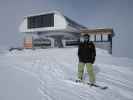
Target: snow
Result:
[48, 74]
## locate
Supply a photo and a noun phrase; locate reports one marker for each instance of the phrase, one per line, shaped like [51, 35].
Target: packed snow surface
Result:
[49, 74]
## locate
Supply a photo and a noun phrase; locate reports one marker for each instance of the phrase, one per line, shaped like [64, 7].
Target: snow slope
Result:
[49, 74]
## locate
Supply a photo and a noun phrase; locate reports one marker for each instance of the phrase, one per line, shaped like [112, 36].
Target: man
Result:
[86, 55]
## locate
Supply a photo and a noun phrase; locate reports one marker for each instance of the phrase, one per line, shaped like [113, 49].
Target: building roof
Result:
[42, 13]
[97, 31]
[74, 24]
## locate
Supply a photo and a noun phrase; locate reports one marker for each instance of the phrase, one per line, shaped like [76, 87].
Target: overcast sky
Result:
[116, 14]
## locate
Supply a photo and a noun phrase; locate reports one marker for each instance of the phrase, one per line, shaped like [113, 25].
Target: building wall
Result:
[59, 21]
[104, 45]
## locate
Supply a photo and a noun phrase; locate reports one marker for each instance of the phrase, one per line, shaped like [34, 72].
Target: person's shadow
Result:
[96, 69]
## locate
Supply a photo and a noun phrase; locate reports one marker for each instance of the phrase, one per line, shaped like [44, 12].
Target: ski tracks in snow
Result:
[57, 68]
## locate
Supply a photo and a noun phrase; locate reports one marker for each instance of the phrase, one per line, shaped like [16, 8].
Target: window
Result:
[71, 43]
[109, 37]
[41, 21]
[98, 37]
[41, 42]
[105, 37]
[92, 37]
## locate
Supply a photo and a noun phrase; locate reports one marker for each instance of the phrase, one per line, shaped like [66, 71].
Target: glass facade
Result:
[41, 43]
[41, 21]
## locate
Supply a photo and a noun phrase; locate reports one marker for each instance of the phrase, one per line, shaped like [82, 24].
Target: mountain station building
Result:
[54, 30]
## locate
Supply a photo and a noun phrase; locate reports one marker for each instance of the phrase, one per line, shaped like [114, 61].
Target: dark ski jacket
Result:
[87, 52]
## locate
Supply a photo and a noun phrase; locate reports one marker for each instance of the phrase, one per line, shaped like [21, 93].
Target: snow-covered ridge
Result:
[51, 73]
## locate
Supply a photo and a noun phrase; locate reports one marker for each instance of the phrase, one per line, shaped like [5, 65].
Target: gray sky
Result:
[116, 14]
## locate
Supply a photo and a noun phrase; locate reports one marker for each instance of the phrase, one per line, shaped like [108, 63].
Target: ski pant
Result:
[90, 71]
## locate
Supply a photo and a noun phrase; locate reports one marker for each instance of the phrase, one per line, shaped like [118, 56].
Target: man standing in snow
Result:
[86, 55]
